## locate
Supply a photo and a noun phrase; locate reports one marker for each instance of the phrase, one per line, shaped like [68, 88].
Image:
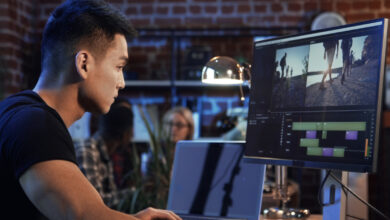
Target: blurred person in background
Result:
[94, 155]
[178, 124]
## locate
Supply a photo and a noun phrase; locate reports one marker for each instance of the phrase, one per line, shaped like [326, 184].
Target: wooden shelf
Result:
[138, 83]
[386, 119]
[168, 83]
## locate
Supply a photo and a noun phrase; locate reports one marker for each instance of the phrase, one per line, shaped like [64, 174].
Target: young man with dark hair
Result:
[84, 50]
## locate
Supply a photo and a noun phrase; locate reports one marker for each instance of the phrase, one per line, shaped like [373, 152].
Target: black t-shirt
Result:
[30, 132]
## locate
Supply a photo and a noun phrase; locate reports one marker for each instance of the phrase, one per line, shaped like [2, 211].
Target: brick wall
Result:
[18, 20]
[16, 26]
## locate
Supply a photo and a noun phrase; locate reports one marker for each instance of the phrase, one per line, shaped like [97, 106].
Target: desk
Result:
[311, 217]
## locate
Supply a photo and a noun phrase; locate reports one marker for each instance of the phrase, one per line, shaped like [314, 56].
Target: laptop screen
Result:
[211, 179]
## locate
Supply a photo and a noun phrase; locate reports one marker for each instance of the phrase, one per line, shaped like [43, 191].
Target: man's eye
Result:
[120, 67]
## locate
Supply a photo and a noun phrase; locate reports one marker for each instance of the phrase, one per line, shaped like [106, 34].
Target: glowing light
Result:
[229, 72]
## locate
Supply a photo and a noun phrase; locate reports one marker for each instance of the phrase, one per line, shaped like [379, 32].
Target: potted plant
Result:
[150, 190]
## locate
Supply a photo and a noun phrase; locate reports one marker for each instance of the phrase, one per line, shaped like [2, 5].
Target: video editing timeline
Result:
[314, 136]
[316, 131]
[303, 136]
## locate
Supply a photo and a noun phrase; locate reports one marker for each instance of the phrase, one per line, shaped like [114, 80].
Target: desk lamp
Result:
[225, 70]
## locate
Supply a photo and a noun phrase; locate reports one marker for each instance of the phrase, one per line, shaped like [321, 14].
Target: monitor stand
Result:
[281, 193]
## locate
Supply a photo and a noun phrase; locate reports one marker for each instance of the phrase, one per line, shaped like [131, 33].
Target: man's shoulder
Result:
[28, 109]
[32, 122]
[32, 116]
[23, 102]
[27, 96]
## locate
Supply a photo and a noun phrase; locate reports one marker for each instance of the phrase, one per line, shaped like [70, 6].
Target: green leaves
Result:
[150, 189]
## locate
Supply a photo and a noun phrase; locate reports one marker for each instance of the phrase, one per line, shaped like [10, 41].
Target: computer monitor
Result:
[316, 98]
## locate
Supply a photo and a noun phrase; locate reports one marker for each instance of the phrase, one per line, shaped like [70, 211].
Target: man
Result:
[287, 70]
[283, 64]
[346, 45]
[94, 154]
[330, 48]
[84, 50]
[277, 72]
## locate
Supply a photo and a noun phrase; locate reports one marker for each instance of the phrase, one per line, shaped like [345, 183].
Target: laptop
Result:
[211, 181]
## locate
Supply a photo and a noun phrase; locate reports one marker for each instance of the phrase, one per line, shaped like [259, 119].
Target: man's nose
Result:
[121, 83]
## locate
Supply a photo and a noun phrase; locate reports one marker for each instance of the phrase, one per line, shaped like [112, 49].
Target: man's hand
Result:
[151, 213]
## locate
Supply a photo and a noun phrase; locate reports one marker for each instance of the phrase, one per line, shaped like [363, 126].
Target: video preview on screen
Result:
[335, 72]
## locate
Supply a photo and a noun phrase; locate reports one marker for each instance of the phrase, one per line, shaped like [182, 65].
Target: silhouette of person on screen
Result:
[346, 45]
[283, 64]
[331, 47]
[287, 70]
[277, 72]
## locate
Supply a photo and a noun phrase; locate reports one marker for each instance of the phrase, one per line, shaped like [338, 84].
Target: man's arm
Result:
[60, 191]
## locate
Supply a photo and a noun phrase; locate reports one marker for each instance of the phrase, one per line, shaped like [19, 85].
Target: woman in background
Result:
[178, 124]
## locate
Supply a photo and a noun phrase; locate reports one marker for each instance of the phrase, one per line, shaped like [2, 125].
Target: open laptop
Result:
[211, 181]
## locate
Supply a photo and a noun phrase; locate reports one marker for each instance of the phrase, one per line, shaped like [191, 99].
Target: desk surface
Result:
[311, 217]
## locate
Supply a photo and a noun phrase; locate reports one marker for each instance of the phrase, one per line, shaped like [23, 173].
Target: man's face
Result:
[105, 78]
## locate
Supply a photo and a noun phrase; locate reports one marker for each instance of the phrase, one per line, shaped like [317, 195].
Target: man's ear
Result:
[82, 62]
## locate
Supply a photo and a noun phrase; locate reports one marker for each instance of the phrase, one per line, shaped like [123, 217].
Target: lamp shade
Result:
[222, 70]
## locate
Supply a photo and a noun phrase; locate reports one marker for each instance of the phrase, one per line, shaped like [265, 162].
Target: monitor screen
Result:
[316, 98]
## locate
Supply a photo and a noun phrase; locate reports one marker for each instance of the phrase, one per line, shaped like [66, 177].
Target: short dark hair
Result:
[93, 23]
[117, 121]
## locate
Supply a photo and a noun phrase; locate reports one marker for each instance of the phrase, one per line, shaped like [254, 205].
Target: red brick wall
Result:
[19, 18]
[235, 13]
[16, 26]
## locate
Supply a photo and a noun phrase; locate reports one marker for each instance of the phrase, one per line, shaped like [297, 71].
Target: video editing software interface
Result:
[315, 98]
